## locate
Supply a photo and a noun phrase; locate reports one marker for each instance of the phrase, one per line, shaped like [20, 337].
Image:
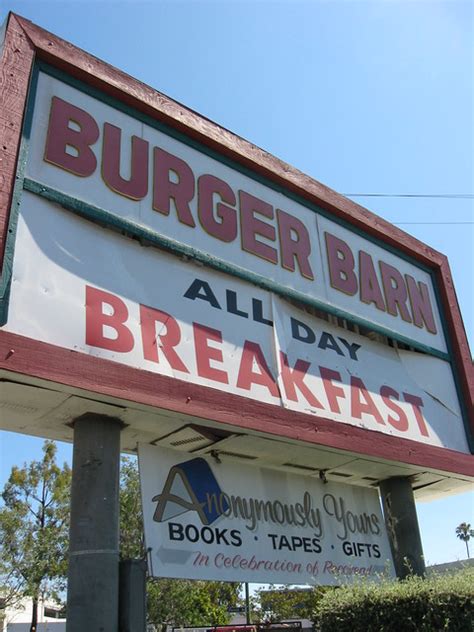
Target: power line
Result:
[433, 223]
[448, 196]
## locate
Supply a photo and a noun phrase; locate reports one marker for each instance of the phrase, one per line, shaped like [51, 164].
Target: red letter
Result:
[402, 422]
[294, 379]
[251, 227]
[420, 304]
[226, 228]
[395, 291]
[61, 135]
[148, 319]
[362, 402]
[370, 291]
[341, 265]
[182, 192]
[96, 320]
[205, 353]
[251, 354]
[294, 244]
[416, 404]
[137, 186]
[332, 391]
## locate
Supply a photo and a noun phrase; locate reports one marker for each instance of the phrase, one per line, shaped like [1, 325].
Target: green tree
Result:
[465, 533]
[280, 604]
[169, 601]
[132, 543]
[34, 525]
[180, 602]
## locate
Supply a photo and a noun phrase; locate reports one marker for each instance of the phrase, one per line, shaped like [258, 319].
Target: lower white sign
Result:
[96, 292]
[232, 522]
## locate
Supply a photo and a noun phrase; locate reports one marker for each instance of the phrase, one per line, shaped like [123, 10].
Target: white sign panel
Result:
[233, 522]
[150, 310]
[93, 152]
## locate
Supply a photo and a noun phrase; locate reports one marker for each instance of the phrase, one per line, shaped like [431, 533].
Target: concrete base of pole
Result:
[402, 526]
[132, 608]
[93, 577]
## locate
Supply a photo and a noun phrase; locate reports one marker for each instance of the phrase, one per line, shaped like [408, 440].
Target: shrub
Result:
[440, 603]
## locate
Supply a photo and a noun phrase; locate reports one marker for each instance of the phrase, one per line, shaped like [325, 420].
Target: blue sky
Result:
[366, 97]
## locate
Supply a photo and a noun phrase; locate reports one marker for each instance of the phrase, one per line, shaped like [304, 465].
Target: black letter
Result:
[198, 286]
[257, 308]
[236, 539]
[232, 308]
[327, 341]
[296, 325]
[273, 538]
[175, 531]
[352, 347]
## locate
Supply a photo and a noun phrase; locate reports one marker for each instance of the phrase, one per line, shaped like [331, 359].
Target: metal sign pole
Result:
[247, 604]
[132, 606]
[93, 578]
[402, 526]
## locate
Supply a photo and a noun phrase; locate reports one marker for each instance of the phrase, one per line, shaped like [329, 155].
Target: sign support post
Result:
[132, 606]
[402, 526]
[247, 604]
[93, 580]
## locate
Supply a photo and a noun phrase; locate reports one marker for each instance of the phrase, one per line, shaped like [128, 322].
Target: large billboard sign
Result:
[149, 255]
[208, 520]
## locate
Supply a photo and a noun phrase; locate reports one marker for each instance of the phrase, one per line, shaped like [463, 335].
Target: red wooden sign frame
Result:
[26, 43]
